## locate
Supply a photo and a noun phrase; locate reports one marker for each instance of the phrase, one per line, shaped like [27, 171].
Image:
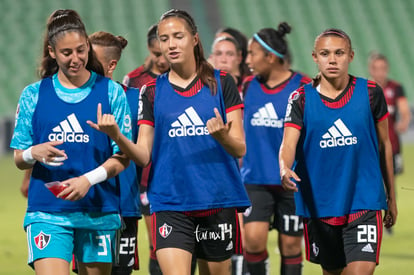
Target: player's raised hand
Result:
[105, 123]
[216, 126]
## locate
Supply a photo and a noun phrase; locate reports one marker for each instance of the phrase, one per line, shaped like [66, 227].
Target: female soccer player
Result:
[265, 100]
[241, 39]
[155, 65]
[191, 126]
[108, 49]
[52, 137]
[338, 129]
[226, 56]
[400, 114]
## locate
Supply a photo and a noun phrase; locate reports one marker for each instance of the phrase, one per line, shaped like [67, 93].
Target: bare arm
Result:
[385, 151]
[24, 188]
[140, 152]
[229, 135]
[76, 188]
[287, 154]
[404, 114]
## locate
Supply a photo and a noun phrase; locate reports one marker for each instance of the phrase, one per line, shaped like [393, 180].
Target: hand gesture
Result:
[287, 175]
[105, 123]
[216, 126]
[75, 188]
[48, 154]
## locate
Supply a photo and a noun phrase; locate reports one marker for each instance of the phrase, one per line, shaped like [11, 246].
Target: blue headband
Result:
[267, 47]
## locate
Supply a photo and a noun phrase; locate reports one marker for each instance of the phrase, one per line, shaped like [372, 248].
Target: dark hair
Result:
[275, 39]
[204, 69]
[60, 22]
[330, 32]
[113, 44]
[152, 34]
[226, 38]
[242, 41]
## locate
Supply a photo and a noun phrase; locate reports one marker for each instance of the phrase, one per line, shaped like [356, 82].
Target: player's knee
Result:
[291, 245]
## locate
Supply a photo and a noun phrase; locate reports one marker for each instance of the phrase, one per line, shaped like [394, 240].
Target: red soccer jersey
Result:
[392, 92]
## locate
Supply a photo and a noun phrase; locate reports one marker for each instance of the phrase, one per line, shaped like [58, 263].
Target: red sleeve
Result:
[146, 114]
[232, 99]
[377, 101]
[295, 109]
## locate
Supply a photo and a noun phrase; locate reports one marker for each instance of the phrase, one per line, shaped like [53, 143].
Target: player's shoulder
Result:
[248, 79]
[32, 87]
[305, 79]
[136, 72]
[148, 89]
[298, 94]
[393, 84]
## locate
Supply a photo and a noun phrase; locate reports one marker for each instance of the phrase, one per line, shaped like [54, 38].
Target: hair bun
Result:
[283, 29]
[122, 41]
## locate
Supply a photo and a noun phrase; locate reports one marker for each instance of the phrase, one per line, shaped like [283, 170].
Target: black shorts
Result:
[126, 258]
[333, 247]
[274, 205]
[212, 238]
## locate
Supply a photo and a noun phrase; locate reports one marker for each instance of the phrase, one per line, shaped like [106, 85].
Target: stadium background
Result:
[382, 25]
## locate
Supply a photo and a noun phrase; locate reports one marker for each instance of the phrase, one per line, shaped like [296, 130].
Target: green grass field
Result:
[397, 253]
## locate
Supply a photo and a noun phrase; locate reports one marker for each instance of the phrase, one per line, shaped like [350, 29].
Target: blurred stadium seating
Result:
[382, 25]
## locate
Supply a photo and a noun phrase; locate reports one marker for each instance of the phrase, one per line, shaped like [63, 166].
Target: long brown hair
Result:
[329, 32]
[204, 69]
[60, 22]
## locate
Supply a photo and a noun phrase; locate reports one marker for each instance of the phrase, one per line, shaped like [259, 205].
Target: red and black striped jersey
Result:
[138, 77]
[232, 100]
[297, 103]
[273, 90]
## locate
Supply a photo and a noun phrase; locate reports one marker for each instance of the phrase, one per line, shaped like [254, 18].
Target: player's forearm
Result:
[287, 150]
[116, 164]
[235, 146]
[20, 163]
[286, 156]
[404, 114]
[135, 152]
[385, 150]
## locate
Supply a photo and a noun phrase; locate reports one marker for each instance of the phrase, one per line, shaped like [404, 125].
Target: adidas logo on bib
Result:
[266, 116]
[188, 124]
[338, 135]
[69, 130]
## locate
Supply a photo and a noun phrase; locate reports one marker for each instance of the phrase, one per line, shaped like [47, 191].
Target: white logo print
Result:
[69, 130]
[367, 248]
[338, 135]
[315, 249]
[188, 124]
[266, 116]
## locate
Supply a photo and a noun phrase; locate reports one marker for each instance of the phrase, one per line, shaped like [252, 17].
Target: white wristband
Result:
[96, 175]
[27, 156]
